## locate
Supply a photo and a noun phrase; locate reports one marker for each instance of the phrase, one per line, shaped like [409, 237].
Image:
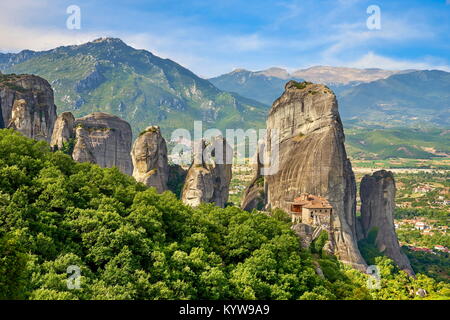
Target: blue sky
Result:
[214, 37]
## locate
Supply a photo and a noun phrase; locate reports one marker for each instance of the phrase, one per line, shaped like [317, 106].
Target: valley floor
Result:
[422, 216]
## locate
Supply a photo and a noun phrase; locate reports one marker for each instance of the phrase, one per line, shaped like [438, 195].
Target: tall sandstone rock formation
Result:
[377, 193]
[100, 138]
[149, 155]
[208, 178]
[312, 159]
[254, 195]
[27, 105]
[63, 130]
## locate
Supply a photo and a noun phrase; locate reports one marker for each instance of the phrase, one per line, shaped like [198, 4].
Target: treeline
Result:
[430, 213]
[436, 266]
[131, 243]
[418, 239]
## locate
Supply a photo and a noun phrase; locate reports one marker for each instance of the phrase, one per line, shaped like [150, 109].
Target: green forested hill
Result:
[108, 75]
[419, 97]
[131, 243]
[383, 143]
[254, 85]
[413, 98]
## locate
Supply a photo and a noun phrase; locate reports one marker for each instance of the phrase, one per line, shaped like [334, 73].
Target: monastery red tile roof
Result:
[310, 201]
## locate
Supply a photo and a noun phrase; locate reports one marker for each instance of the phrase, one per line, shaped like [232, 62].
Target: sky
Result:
[215, 37]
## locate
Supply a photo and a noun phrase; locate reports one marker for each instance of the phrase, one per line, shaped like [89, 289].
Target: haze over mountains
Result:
[106, 75]
[417, 97]
[267, 85]
[264, 86]
[342, 75]
[369, 96]
[326, 74]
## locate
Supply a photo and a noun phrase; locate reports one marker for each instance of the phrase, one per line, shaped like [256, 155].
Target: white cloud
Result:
[27, 24]
[13, 38]
[209, 50]
[242, 43]
[293, 9]
[349, 36]
[372, 60]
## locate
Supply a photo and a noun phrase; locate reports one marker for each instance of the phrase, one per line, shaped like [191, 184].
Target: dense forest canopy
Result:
[131, 243]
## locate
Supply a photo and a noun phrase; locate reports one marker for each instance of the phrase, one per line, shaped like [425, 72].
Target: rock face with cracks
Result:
[27, 105]
[149, 155]
[208, 178]
[63, 130]
[377, 208]
[103, 139]
[312, 159]
[254, 195]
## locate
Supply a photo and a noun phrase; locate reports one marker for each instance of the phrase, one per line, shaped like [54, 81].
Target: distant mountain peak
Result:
[107, 75]
[275, 72]
[271, 72]
[328, 75]
[342, 75]
[239, 70]
[108, 40]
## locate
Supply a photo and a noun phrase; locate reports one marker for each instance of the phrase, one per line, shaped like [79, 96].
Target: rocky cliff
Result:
[103, 139]
[27, 105]
[177, 176]
[63, 130]
[254, 195]
[312, 159]
[377, 193]
[208, 178]
[149, 155]
[81, 73]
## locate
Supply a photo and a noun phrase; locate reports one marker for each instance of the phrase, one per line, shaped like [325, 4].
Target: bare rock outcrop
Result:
[304, 232]
[254, 194]
[103, 139]
[63, 130]
[27, 105]
[208, 178]
[253, 197]
[177, 177]
[149, 155]
[312, 159]
[377, 193]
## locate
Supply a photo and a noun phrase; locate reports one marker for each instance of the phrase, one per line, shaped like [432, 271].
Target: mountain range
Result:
[365, 96]
[106, 75]
[267, 85]
[339, 76]
[264, 86]
[415, 98]
[109, 76]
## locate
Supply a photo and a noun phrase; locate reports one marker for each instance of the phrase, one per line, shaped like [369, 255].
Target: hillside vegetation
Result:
[109, 76]
[415, 98]
[254, 85]
[384, 143]
[409, 98]
[132, 243]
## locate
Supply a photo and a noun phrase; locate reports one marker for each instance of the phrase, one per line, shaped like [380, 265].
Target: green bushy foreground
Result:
[132, 243]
